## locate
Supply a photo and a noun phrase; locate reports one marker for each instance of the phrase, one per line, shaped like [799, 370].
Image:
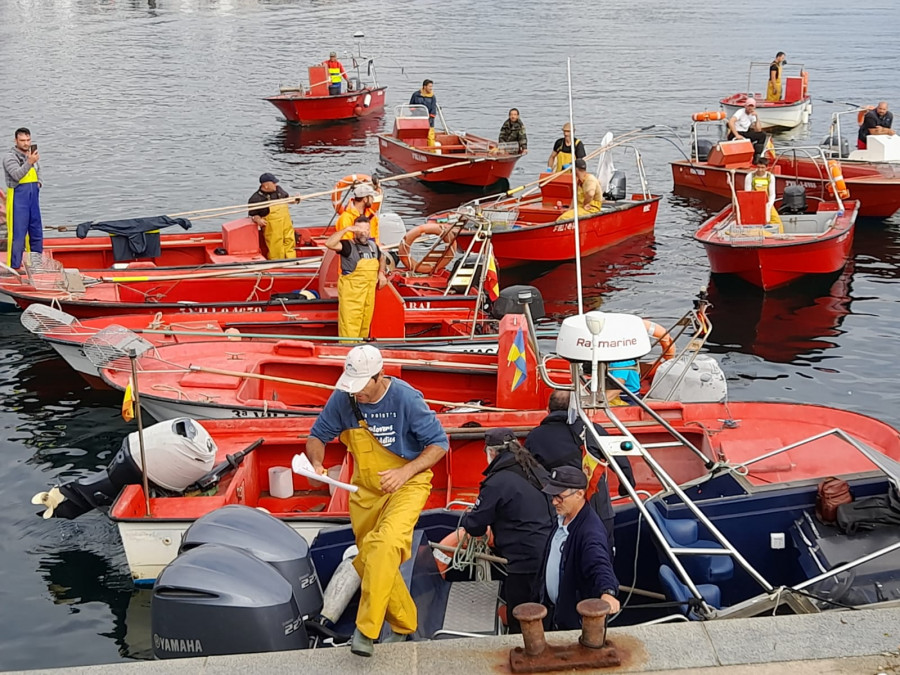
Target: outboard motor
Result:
[704, 146]
[513, 299]
[615, 191]
[266, 538]
[832, 143]
[216, 599]
[179, 452]
[704, 381]
[794, 199]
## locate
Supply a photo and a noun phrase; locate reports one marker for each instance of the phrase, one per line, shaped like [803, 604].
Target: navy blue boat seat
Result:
[684, 533]
[676, 591]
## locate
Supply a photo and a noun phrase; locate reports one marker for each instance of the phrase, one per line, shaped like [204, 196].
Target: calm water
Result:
[151, 107]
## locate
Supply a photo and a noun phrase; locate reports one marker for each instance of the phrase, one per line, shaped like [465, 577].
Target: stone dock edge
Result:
[858, 642]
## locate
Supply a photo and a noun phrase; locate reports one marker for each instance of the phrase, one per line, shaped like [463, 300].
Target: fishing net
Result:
[41, 319]
[113, 346]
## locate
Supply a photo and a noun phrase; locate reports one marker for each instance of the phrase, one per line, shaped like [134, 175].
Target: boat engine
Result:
[179, 452]
[616, 191]
[216, 599]
[794, 199]
[704, 146]
[267, 539]
[513, 299]
[833, 143]
[704, 381]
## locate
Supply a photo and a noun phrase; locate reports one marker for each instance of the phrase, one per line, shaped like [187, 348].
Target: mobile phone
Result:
[34, 147]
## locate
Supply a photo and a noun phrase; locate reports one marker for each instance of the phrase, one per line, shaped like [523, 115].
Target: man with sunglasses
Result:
[577, 564]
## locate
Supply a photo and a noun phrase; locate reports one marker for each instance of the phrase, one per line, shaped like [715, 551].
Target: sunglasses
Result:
[562, 496]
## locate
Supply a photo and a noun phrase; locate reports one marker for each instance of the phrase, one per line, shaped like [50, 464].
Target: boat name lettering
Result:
[188, 646]
[258, 413]
[419, 158]
[199, 309]
[419, 305]
[698, 172]
[564, 227]
[607, 344]
[352, 99]
[804, 183]
[646, 208]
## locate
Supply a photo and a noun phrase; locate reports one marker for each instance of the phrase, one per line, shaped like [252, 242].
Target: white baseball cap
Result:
[362, 364]
[364, 190]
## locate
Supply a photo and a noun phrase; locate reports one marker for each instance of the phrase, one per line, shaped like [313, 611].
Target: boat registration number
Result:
[190, 309]
[419, 158]
[565, 227]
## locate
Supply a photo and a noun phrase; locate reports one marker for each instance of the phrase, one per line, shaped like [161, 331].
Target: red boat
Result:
[315, 106]
[738, 241]
[461, 159]
[528, 230]
[709, 171]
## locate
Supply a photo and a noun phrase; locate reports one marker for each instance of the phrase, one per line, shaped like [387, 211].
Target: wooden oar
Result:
[245, 269]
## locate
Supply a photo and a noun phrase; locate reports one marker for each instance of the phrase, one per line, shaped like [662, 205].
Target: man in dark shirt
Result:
[513, 131]
[425, 96]
[274, 219]
[562, 156]
[876, 122]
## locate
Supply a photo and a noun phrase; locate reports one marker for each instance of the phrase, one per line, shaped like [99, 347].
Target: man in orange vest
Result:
[362, 203]
[335, 73]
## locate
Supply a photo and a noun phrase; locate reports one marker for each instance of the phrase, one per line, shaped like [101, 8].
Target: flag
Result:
[128, 402]
[491, 280]
[516, 357]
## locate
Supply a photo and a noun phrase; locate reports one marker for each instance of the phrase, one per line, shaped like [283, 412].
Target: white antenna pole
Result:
[575, 203]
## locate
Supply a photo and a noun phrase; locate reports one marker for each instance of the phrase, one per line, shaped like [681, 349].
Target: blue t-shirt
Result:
[401, 421]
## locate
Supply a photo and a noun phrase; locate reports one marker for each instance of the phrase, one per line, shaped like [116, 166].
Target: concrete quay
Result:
[857, 642]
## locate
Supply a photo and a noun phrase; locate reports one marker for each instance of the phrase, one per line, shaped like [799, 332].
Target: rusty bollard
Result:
[530, 615]
[593, 613]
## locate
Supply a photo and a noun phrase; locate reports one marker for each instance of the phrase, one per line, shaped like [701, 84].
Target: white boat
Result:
[791, 111]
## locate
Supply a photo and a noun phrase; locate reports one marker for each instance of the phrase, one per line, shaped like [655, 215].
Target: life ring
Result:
[339, 195]
[861, 115]
[834, 167]
[443, 559]
[804, 83]
[708, 116]
[665, 342]
[447, 235]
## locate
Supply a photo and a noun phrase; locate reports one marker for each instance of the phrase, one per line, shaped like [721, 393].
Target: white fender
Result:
[344, 583]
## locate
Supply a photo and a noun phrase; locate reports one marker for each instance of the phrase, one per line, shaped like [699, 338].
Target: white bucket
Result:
[281, 482]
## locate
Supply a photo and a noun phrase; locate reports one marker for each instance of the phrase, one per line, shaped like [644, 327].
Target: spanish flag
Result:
[128, 402]
[491, 279]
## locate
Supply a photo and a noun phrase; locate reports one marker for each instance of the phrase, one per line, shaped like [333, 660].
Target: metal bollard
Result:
[530, 615]
[593, 613]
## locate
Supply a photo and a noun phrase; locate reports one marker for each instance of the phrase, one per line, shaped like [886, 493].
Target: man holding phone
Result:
[24, 228]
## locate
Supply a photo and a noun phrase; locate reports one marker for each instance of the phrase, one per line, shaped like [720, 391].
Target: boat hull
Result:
[321, 110]
[773, 115]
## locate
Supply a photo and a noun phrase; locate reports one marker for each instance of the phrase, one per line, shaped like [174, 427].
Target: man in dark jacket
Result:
[513, 131]
[577, 564]
[557, 443]
[512, 504]
[425, 96]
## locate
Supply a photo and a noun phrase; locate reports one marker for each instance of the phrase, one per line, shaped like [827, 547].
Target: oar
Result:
[246, 269]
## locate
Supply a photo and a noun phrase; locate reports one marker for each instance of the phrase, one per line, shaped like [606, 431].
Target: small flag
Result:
[128, 402]
[491, 279]
[516, 357]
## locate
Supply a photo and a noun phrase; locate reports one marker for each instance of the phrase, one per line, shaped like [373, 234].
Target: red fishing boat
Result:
[711, 166]
[534, 230]
[314, 105]
[458, 158]
[792, 110]
[739, 241]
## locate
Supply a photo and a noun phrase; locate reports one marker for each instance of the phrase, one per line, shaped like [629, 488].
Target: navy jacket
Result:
[430, 102]
[519, 514]
[586, 570]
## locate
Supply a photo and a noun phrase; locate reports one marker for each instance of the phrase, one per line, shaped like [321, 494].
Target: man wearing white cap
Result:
[362, 203]
[395, 439]
[745, 124]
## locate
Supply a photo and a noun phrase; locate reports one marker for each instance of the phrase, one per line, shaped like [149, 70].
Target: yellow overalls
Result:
[279, 232]
[761, 184]
[594, 206]
[29, 219]
[773, 88]
[356, 299]
[564, 158]
[383, 526]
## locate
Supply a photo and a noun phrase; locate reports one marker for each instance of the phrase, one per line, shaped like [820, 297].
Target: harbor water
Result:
[147, 107]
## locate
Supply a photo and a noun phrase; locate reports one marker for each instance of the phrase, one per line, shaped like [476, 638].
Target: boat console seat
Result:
[685, 533]
[676, 591]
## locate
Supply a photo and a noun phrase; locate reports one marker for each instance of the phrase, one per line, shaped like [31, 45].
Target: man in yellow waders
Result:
[762, 180]
[589, 197]
[362, 273]
[425, 96]
[562, 155]
[361, 203]
[278, 229]
[24, 228]
[773, 88]
[395, 439]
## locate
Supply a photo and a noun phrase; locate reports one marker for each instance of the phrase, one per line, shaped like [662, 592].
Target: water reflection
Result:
[327, 138]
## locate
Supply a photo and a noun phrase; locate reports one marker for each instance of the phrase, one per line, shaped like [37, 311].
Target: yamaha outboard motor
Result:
[217, 599]
[178, 452]
[832, 143]
[704, 145]
[793, 200]
[266, 538]
[615, 191]
[513, 299]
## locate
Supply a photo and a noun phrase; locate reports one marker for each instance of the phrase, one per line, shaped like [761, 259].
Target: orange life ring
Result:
[708, 116]
[339, 197]
[665, 342]
[834, 167]
[804, 83]
[861, 115]
[447, 235]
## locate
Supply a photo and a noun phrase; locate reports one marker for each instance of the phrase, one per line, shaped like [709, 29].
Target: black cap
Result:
[267, 178]
[499, 436]
[581, 164]
[565, 478]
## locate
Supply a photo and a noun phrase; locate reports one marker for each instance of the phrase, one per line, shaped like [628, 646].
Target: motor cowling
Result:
[833, 143]
[794, 199]
[704, 381]
[216, 599]
[267, 539]
[513, 299]
[704, 146]
[616, 190]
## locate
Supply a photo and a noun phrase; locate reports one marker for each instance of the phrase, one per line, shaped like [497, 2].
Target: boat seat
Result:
[676, 591]
[684, 533]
